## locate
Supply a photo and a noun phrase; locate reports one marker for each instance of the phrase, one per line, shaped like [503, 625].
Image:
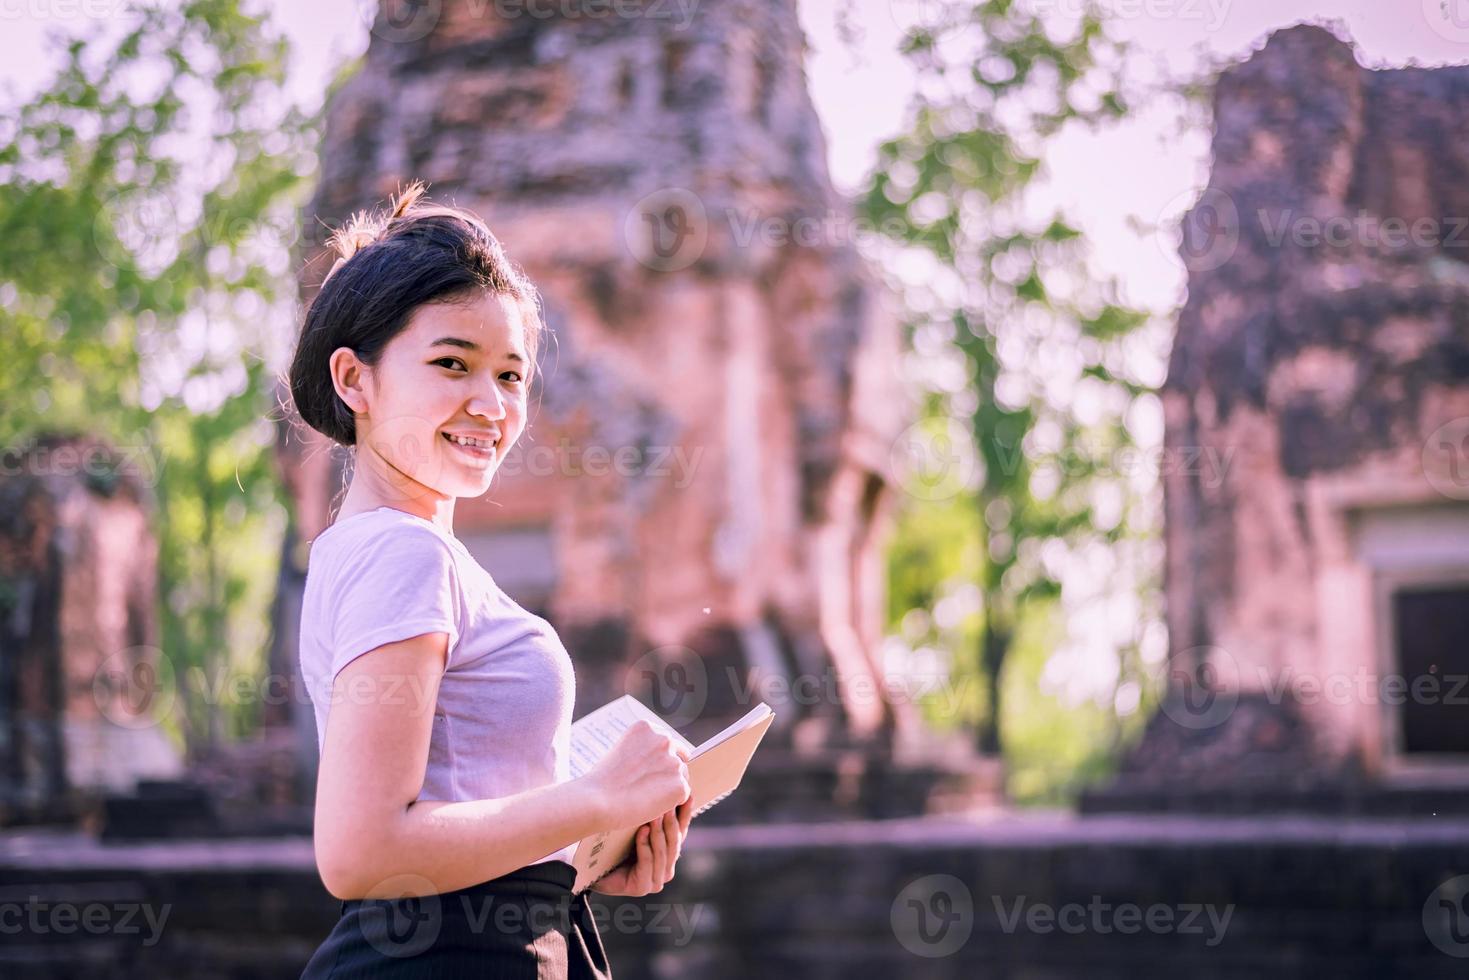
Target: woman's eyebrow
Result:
[470, 345]
[455, 342]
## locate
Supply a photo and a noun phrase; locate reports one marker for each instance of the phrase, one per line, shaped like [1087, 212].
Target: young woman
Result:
[446, 817]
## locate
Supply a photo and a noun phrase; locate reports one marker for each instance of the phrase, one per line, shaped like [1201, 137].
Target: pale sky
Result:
[1134, 175]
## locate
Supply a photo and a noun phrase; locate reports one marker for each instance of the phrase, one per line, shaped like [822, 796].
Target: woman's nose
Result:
[491, 405]
[486, 408]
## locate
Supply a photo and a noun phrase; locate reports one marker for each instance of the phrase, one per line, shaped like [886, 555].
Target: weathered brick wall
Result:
[1109, 898]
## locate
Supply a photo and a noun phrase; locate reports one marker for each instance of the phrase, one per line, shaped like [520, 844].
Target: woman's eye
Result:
[518, 378]
[453, 359]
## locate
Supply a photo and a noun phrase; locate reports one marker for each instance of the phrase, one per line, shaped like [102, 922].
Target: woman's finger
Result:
[677, 832]
[669, 827]
[660, 854]
[644, 866]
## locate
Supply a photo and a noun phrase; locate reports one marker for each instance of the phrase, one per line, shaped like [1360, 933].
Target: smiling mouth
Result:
[479, 450]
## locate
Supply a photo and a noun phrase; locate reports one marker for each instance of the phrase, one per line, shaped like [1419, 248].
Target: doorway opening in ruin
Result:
[1418, 557]
[1433, 661]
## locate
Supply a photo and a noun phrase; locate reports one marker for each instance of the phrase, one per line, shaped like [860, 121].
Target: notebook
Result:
[716, 767]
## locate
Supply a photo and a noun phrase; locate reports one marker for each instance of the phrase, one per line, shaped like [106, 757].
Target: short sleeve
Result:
[397, 584]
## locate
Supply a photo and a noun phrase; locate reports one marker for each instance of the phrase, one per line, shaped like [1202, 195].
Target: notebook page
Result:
[594, 735]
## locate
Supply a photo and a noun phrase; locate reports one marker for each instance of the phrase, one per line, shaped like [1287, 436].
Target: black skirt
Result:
[525, 925]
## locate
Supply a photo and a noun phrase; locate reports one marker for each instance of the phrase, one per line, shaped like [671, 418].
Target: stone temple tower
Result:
[701, 493]
[1317, 420]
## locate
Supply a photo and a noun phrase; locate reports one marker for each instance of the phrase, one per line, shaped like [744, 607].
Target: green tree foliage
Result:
[147, 207]
[1020, 452]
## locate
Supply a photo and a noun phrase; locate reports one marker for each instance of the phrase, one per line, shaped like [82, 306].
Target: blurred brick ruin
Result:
[91, 705]
[623, 161]
[78, 609]
[1317, 410]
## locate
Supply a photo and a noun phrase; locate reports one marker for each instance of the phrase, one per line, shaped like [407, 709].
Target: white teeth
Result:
[465, 441]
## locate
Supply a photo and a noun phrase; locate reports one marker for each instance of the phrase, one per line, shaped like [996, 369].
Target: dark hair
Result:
[390, 264]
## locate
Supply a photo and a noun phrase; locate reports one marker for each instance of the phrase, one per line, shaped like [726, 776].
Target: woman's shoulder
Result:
[383, 533]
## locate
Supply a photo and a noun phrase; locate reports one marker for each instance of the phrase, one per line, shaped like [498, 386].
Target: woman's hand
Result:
[655, 851]
[644, 775]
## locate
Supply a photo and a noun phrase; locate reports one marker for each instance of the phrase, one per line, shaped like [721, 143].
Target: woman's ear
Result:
[348, 377]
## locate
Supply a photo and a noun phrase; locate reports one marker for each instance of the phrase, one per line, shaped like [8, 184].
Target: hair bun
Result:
[365, 227]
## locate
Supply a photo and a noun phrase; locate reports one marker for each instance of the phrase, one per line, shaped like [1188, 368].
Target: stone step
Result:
[1379, 800]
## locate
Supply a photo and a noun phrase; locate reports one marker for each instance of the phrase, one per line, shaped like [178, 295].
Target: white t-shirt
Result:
[502, 721]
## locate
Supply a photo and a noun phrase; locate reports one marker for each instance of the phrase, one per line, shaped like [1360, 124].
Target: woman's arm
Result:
[372, 839]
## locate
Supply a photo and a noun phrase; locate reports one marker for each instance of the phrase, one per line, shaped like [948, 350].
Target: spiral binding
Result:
[711, 803]
[701, 809]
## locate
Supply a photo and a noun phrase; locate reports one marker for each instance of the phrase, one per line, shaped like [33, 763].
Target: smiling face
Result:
[459, 369]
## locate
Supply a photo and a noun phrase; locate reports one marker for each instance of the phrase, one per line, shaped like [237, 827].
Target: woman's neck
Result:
[367, 493]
